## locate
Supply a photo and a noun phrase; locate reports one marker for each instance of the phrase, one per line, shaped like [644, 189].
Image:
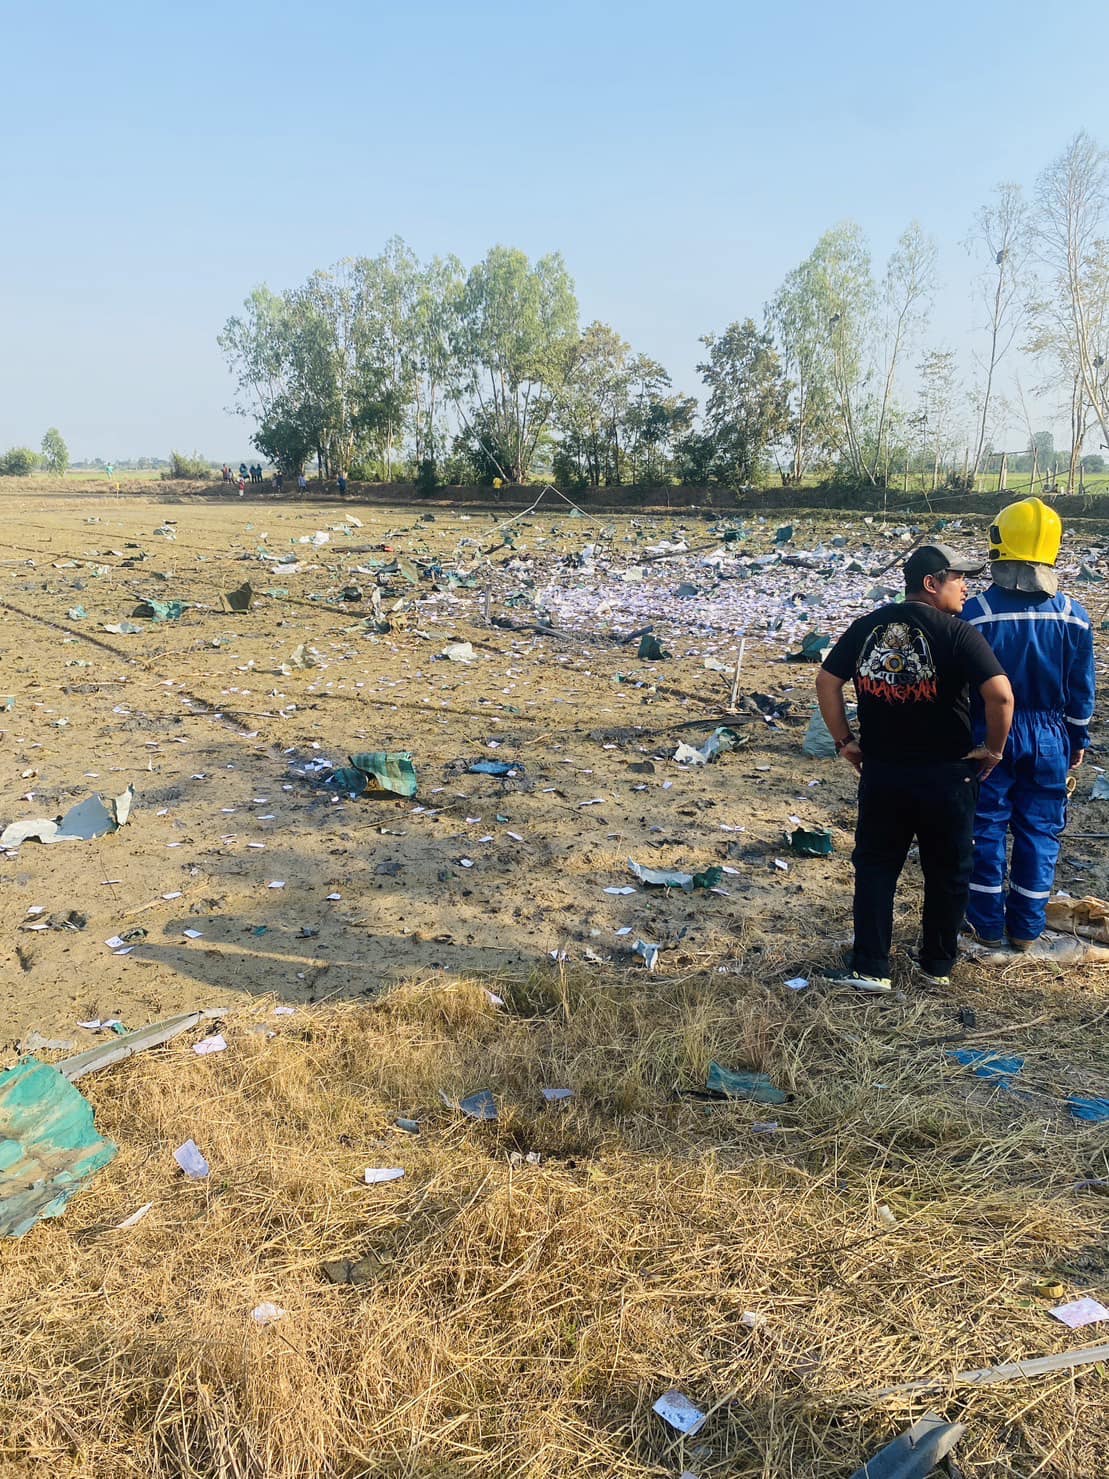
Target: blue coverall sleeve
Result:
[1079, 687]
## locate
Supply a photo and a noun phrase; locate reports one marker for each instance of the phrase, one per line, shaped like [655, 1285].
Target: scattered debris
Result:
[49, 1148]
[1080, 1312]
[814, 842]
[91, 818]
[458, 652]
[160, 610]
[377, 774]
[119, 1048]
[378, 1175]
[677, 1410]
[916, 1452]
[988, 1376]
[651, 649]
[1093, 1111]
[647, 952]
[722, 1082]
[240, 600]
[986, 1062]
[189, 1158]
[499, 768]
[720, 742]
[267, 1313]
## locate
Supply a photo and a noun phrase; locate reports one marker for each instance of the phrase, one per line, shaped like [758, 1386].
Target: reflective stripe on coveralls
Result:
[1045, 646]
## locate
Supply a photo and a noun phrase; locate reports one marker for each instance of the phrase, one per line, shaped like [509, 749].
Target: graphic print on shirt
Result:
[896, 665]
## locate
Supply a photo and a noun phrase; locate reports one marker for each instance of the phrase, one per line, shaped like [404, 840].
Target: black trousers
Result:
[934, 803]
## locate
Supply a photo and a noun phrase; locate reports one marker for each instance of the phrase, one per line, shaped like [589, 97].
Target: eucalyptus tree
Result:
[514, 341]
[1000, 237]
[907, 291]
[1070, 219]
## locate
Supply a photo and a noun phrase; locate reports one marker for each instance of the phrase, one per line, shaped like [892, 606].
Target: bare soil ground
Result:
[522, 1317]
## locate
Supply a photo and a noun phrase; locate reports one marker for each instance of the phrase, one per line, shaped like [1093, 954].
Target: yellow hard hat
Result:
[1029, 530]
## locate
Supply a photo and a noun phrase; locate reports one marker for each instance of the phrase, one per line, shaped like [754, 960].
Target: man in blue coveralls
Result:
[1044, 641]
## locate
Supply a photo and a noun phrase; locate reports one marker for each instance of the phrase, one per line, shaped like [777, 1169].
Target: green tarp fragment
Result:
[815, 647]
[743, 1085]
[811, 842]
[377, 773]
[651, 649]
[160, 610]
[49, 1147]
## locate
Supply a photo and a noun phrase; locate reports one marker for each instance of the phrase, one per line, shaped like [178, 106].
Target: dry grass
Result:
[521, 1319]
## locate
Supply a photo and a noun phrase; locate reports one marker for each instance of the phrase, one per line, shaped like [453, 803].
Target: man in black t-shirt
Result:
[913, 664]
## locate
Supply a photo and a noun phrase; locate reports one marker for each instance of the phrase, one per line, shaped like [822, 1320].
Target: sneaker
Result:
[876, 985]
[927, 976]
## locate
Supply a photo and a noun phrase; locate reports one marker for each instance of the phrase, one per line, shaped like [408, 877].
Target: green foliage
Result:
[55, 453]
[515, 343]
[18, 462]
[1093, 462]
[748, 404]
[196, 468]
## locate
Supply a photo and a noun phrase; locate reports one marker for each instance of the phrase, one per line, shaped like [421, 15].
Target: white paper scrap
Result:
[627, 889]
[375, 1175]
[797, 983]
[266, 1313]
[135, 1217]
[189, 1158]
[193, 934]
[555, 1096]
[277, 883]
[1080, 1312]
[679, 1412]
[283, 1011]
[214, 1044]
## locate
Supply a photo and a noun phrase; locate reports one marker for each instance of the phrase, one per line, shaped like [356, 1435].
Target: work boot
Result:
[975, 938]
[1023, 946]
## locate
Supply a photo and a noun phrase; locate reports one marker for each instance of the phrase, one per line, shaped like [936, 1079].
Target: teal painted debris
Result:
[815, 647]
[986, 1062]
[160, 610]
[376, 774]
[76, 613]
[814, 842]
[784, 534]
[49, 1148]
[743, 1085]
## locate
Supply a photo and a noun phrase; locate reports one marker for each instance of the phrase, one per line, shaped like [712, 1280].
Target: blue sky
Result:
[160, 160]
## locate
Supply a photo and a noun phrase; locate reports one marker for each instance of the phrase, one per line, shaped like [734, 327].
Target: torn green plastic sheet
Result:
[815, 647]
[160, 610]
[815, 842]
[743, 1085]
[49, 1148]
[91, 818]
[651, 649]
[377, 773]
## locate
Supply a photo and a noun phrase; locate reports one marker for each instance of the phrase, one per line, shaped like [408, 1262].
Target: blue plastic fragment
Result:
[1094, 1111]
[985, 1062]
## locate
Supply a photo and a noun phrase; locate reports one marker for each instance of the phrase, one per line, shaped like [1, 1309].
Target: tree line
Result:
[387, 367]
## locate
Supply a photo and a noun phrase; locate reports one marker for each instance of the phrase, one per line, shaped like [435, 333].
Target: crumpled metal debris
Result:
[91, 818]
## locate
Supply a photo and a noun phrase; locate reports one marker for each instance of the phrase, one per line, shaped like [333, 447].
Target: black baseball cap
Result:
[935, 559]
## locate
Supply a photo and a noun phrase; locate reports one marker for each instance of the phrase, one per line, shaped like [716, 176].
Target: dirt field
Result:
[519, 887]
